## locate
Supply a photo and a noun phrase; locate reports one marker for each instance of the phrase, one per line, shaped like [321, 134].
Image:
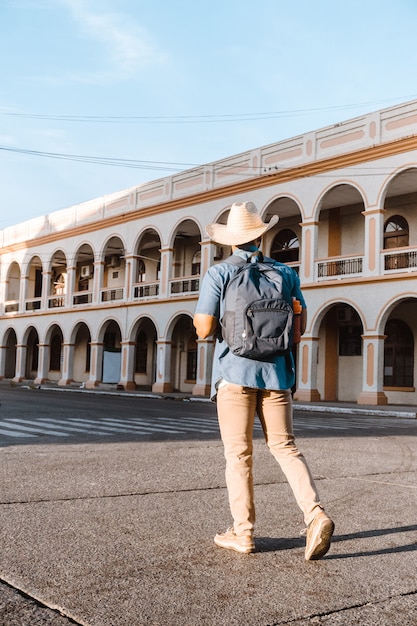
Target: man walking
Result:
[244, 387]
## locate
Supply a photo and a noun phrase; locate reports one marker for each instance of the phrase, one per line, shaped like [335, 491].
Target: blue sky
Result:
[176, 83]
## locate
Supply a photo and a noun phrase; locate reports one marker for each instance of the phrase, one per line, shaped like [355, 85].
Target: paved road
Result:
[85, 532]
[38, 416]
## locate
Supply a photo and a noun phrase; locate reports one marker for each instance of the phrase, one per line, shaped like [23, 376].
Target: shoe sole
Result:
[231, 546]
[324, 532]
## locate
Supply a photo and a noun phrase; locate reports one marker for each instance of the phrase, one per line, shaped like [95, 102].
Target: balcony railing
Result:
[55, 302]
[34, 304]
[108, 295]
[340, 267]
[400, 260]
[84, 297]
[146, 290]
[185, 285]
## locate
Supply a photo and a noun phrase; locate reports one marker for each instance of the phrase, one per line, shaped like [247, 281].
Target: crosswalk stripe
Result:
[107, 426]
[17, 424]
[14, 433]
[115, 425]
[95, 426]
[20, 427]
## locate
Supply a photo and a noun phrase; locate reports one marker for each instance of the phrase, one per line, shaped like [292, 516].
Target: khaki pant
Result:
[236, 408]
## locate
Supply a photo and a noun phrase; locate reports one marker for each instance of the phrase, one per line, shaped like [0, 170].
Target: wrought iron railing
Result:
[400, 260]
[146, 290]
[339, 267]
[185, 285]
[85, 297]
[56, 302]
[108, 295]
[33, 305]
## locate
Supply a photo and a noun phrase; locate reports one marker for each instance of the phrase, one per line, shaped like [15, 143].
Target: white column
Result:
[163, 382]
[309, 237]
[129, 268]
[67, 364]
[98, 280]
[374, 228]
[373, 369]
[307, 370]
[208, 250]
[96, 365]
[127, 378]
[23, 293]
[20, 373]
[70, 286]
[205, 350]
[166, 274]
[43, 364]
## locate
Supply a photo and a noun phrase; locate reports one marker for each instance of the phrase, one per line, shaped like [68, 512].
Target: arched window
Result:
[285, 246]
[141, 361]
[398, 355]
[396, 232]
[55, 353]
[196, 263]
[141, 271]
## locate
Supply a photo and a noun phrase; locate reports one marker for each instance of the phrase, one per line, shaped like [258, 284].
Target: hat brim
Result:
[220, 233]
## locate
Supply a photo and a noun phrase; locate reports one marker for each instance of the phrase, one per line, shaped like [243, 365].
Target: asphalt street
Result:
[109, 506]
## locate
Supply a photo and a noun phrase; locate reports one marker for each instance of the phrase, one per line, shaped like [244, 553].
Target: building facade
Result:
[105, 291]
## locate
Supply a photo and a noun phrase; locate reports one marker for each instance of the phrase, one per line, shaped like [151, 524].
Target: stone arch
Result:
[80, 363]
[183, 338]
[144, 335]
[339, 327]
[13, 285]
[9, 344]
[110, 336]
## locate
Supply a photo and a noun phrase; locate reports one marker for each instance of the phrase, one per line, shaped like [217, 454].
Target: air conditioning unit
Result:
[114, 261]
[86, 271]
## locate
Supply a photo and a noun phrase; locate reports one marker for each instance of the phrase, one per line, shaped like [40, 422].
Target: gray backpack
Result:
[257, 321]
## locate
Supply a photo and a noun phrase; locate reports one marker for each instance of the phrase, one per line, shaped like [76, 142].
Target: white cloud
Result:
[128, 48]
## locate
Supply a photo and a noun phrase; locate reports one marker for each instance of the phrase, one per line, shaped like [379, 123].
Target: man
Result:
[243, 387]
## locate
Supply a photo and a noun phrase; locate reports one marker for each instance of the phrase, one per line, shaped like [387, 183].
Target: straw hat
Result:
[244, 224]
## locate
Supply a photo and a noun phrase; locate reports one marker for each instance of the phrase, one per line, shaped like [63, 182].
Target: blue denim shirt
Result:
[276, 375]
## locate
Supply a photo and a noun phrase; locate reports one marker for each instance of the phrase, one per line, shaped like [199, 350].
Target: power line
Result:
[194, 119]
[173, 166]
[115, 162]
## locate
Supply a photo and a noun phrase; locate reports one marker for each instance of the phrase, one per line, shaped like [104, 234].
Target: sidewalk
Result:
[121, 534]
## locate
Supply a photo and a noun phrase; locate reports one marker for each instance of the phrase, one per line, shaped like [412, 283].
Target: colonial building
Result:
[105, 291]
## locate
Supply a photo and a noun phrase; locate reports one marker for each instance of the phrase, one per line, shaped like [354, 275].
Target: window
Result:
[141, 361]
[395, 232]
[398, 355]
[285, 247]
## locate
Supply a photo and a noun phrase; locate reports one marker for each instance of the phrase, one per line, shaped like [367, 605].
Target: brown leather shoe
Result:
[319, 535]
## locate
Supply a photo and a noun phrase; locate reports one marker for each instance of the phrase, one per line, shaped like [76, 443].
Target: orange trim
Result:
[370, 365]
[304, 370]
